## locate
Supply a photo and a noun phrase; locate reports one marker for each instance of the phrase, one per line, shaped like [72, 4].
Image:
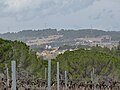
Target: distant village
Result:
[52, 51]
[102, 41]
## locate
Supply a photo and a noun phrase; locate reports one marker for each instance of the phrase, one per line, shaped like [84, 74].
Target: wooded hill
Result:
[15, 50]
[79, 63]
[67, 34]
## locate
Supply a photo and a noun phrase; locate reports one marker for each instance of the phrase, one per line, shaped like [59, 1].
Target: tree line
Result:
[79, 63]
[67, 34]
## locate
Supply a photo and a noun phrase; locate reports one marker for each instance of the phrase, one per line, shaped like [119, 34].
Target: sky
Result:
[17, 15]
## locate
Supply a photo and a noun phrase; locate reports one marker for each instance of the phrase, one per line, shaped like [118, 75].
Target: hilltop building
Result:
[103, 41]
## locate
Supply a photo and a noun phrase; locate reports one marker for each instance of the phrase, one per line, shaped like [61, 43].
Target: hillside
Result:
[80, 63]
[67, 34]
[26, 58]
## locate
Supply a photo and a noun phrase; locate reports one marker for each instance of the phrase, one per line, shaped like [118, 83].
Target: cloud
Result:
[29, 8]
[60, 13]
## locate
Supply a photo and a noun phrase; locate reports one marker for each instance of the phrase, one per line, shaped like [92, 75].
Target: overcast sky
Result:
[16, 15]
